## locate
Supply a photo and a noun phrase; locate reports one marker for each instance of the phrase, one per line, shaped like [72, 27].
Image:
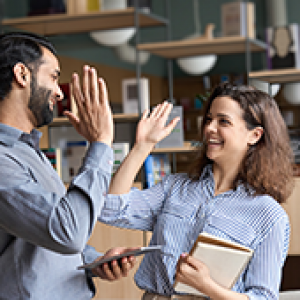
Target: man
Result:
[44, 228]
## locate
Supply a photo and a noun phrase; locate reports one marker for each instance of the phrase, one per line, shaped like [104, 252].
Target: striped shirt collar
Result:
[208, 174]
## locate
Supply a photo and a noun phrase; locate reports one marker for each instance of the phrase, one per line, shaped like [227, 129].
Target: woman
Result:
[242, 174]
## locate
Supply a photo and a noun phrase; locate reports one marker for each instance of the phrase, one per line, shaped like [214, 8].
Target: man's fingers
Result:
[72, 118]
[127, 265]
[86, 85]
[103, 96]
[145, 114]
[94, 89]
[76, 91]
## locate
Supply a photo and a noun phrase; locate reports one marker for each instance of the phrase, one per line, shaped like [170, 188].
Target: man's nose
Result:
[59, 94]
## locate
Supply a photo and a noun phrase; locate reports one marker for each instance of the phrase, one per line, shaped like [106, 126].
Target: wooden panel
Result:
[67, 23]
[191, 47]
[44, 141]
[292, 207]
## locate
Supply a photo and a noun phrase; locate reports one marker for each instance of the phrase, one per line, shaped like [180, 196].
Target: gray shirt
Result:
[43, 227]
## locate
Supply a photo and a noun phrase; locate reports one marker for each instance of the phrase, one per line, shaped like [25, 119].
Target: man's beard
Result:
[39, 103]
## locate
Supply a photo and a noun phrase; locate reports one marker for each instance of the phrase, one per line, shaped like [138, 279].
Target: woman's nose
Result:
[211, 126]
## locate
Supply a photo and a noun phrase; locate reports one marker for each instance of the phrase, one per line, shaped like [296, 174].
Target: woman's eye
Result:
[208, 120]
[224, 121]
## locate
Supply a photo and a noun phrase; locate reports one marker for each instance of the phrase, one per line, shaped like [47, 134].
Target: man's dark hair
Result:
[18, 47]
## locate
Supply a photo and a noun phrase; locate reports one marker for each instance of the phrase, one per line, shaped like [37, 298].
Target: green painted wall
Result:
[182, 25]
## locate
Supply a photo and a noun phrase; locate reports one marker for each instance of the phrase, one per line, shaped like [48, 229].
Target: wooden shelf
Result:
[61, 121]
[67, 24]
[277, 76]
[192, 47]
[186, 148]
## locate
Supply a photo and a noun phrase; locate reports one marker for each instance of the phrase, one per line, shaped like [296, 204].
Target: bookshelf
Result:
[64, 121]
[277, 75]
[67, 24]
[187, 147]
[192, 47]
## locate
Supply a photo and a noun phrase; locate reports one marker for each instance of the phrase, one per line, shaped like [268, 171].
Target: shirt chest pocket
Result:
[232, 229]
[182, 211]
[174, 225]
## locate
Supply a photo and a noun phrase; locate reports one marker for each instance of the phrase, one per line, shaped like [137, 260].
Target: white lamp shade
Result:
[117, 36]
[197, 65]
[264, 86]
[127, 53]
[291, 92]
[113, 37]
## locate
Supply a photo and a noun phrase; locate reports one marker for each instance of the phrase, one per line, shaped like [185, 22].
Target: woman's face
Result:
[227, 138]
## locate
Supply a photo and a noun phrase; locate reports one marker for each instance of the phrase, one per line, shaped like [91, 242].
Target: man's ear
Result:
[21, 73]
[255, 135]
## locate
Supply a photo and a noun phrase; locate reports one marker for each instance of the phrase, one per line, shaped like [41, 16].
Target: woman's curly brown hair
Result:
[267, 167]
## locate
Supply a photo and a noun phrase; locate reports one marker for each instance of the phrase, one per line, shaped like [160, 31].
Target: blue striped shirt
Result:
[178, 209]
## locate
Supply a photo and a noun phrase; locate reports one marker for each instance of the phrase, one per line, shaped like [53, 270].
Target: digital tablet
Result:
[137, 252]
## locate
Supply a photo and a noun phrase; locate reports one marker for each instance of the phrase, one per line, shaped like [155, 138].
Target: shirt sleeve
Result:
[264, 272]
[90, 254]
[51, 219]
[137, 209]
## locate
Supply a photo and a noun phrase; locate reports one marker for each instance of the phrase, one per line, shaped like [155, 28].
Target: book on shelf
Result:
[156, 166]
[130, 97]
[55, 157]
[238, 19]
[82, 6]
[73, 155]
[176, 137]
[120, 152]
[225, 260]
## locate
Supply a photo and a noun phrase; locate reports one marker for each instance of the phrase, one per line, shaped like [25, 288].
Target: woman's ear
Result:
[21, 73]
[255, 135]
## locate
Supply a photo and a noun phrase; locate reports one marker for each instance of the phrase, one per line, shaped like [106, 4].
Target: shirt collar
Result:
[10, 135]
[32, 138]
[208, 174]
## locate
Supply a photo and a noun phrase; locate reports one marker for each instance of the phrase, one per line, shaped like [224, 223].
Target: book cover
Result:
[238, 19]
[120, 152]
[74, 153]
[130, 95]
[225, 259]
[156, 166]
[55, 157]
[176, 137]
